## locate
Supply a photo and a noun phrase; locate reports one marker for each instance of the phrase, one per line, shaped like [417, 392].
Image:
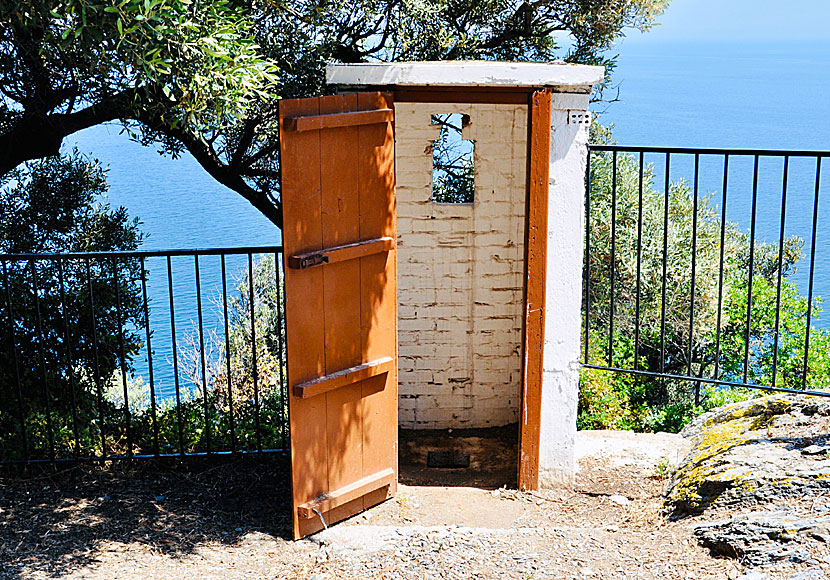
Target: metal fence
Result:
[705, 265]
[125, 355]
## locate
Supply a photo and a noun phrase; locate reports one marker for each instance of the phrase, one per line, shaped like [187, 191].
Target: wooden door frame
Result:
[539, 102]
[540, 117]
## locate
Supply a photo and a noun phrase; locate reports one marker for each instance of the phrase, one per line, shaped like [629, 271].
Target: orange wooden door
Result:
[338, 199]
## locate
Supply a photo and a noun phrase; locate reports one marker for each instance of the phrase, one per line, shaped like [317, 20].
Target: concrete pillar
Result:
[566, 222]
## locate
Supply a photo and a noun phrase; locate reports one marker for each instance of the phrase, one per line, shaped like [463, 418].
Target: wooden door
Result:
[338, 199]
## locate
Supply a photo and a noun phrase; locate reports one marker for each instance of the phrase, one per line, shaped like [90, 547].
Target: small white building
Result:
[490, 174]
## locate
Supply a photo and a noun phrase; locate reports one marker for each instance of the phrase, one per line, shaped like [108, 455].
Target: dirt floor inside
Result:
[232, 521]
[491, 456]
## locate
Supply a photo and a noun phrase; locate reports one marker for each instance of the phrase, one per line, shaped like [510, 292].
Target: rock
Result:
[751, 453]
[808, 575]
[753, 576]
[762, 538]
[619, 499]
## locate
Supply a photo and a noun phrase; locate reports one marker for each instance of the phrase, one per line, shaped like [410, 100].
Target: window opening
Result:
[453, 161]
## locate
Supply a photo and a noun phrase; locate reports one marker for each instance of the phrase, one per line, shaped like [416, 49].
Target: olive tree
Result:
[205, 75]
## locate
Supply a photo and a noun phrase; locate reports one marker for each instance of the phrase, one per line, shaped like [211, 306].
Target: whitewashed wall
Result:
[460, 272]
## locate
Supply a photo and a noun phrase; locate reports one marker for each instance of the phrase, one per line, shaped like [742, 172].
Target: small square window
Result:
[453, 161]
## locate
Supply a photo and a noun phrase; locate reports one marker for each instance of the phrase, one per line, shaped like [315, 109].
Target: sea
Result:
[733, 95]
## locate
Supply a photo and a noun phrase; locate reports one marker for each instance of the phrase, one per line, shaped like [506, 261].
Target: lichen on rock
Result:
[750, 453]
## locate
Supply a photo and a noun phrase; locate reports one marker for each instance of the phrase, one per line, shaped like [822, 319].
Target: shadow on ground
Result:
[51, 523]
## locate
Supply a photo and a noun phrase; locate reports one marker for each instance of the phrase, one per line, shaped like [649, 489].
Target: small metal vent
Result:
[448, 459]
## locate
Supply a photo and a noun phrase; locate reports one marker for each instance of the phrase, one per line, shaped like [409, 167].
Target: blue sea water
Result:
[670, 94]
[736, 95]
[766, 95]
[180, 206]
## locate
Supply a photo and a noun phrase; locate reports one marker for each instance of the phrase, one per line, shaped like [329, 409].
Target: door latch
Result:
[307, 260]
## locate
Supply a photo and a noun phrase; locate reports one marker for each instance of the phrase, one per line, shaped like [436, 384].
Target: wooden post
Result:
[536, 232]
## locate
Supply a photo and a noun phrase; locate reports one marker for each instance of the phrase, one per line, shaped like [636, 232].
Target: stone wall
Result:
[460, 272]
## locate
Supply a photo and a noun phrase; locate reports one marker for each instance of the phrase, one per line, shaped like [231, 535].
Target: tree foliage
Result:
[204, 75]
[65, 323]
[169, 68]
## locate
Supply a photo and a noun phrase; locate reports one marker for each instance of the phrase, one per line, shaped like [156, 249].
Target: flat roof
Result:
[465, 74]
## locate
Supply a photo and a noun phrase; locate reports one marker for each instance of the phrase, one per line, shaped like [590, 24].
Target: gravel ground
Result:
[230, 521]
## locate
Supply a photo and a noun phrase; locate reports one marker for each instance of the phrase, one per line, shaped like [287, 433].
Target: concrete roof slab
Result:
[464, 74]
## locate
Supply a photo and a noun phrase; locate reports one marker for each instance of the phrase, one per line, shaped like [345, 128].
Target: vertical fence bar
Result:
[175, 357]
[251, 300]
[694, 274]
[665, 265]
[147, 334]
[228, 353]
[751, 267]
[720, 268]
[587, 268]
[639, 262]
[96, 362]
[67, 338]
[42, 342]
[202, 352]
[282, 379]
[780, 270]
[613, 265]
[812, 269]
[15, 356]
[122, 359]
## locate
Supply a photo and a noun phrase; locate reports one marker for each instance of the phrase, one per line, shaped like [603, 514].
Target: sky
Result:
[740, 21]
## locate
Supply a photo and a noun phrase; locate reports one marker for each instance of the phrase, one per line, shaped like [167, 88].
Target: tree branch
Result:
[40, 135]
[224, 174]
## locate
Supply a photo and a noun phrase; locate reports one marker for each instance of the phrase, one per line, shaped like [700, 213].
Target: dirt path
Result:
[229, 522]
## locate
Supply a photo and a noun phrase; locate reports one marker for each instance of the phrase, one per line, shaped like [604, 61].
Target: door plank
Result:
[341, 281]
[379, 304]
[305, 340]
[334, 120]
[348, 493]
[341, 253]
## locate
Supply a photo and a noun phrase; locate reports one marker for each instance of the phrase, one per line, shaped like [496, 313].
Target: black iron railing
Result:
[695, 268]
[115, 355]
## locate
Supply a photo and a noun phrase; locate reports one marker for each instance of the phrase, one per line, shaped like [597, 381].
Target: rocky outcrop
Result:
[762, 538]
[753, 453]
[770, 455]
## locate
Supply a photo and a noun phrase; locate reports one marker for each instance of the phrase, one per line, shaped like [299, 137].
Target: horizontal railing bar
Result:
[146, 253]
[709, 151]
[705, 380]
[98, 459]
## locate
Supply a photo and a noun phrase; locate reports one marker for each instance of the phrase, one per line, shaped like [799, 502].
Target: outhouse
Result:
[483, 233]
